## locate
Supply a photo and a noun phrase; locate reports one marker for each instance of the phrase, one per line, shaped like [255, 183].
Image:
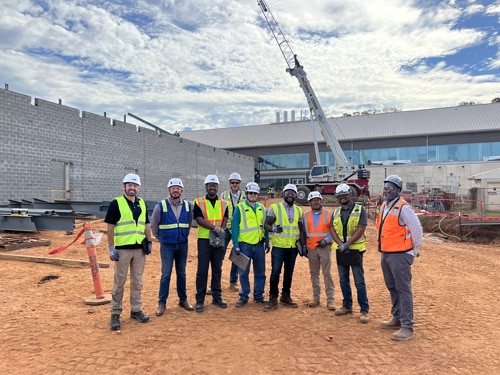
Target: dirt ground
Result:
[47, 328]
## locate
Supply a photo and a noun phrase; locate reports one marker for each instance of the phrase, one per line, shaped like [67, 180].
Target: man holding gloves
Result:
[129, 239]
[284, 221]
[210, 212]
[348, 231]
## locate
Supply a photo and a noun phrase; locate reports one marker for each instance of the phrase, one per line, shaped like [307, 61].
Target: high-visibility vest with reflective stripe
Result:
[352, 227]
[251, 223]
[393, 237]
[228, 197]
[171, 229]
[213, 214]
[127, 231]
[314, 235]
[291, 233]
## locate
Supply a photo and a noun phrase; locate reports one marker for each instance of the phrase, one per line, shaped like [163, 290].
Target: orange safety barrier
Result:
[92, 253]
[94, 265]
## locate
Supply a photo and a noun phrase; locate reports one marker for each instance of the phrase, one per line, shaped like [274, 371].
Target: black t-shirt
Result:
[113, 216]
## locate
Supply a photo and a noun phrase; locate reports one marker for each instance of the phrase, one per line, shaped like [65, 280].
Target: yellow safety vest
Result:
[291, 233]
[352, 227]
[228, 197]
[127, 231]
[251, 223]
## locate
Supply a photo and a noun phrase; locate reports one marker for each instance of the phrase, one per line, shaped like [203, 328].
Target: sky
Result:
[203, 64]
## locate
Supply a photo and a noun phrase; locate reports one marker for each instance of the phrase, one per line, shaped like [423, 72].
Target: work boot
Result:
[330, 305]
[343, 311]
[313, 303]
[139, 316]
[272, 304]
[391, 324]
[234, 287]
[364, 317]
[404, 334]
[115, 322]
[288, 301]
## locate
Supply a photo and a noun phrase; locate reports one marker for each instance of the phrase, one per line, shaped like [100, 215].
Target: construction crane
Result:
[320, 176]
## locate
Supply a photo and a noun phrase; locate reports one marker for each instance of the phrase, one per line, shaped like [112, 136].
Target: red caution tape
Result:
[62, 248]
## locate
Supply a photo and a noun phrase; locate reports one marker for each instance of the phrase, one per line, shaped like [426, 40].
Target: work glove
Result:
[113, 254]
[277, 229]
[237, 250]
[344, 248]
[267, 247]
[220, 232]
[149, 248]
[322, 243]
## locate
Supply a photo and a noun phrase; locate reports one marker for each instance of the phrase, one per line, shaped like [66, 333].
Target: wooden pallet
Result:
[16, 243]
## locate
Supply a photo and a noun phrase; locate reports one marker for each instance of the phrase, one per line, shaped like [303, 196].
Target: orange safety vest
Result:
[393, 237]
[321, 232]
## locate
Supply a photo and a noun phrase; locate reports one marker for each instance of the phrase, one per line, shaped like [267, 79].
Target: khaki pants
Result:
[136, 259]
[321, 258]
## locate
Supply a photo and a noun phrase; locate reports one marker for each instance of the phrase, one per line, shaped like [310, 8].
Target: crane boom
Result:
[297, 70]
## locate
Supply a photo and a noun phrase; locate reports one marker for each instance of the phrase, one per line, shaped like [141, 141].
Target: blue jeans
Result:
[257, 255]
[169, 254]
[282, 257]
[233, 275]
[359, 282]
[213, 257]
[396, 268]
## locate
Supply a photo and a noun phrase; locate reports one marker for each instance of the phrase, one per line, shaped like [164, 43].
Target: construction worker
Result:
[128, 228]
[233, 196]
[271, 191]
[210, 212]
[250, 239]
[170, 224]
[399, 238]
[318, 240]
[284, 222]
[348, 232]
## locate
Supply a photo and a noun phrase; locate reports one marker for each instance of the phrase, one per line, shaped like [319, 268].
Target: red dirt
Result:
[48, 328]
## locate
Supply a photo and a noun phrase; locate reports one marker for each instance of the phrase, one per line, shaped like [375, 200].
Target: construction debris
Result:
[13, 242]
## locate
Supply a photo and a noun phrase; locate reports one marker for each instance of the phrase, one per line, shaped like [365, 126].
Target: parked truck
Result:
[320, 177]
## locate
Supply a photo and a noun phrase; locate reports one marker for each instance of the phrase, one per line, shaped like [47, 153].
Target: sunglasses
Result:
[235, 183]
[251, 192]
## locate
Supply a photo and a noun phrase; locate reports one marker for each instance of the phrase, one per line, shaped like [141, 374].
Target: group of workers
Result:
[236, 216]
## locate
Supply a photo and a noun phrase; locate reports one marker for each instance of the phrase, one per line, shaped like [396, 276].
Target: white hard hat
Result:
[175, 182]
[343, 189]
[235, 176]
[290, 187]
[252, 187]
[133, 178]
[211, 179]
[314, 194]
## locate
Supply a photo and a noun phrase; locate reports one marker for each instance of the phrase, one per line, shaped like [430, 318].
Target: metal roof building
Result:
[451, 121]
[474, 128]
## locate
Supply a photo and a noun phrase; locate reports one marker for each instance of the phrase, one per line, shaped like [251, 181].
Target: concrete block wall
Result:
[45, 144]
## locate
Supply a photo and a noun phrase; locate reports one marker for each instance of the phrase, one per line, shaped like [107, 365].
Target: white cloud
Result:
[203, 63]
